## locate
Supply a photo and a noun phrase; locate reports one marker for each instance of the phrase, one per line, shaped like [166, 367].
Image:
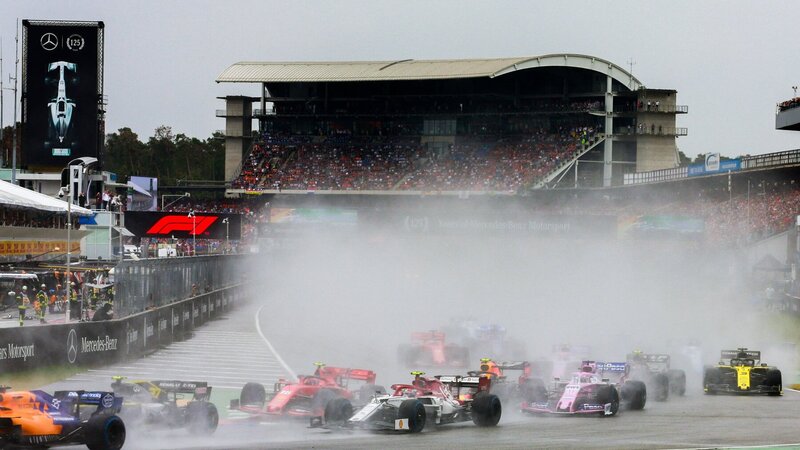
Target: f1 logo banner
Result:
[172, 223]
[181, 225]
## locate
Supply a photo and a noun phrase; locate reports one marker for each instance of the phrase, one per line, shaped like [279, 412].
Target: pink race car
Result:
[598, 389]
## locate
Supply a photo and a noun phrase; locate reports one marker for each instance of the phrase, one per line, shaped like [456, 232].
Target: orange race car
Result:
[36, 419]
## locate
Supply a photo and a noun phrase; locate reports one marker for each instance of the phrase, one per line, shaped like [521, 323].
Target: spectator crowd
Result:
[482, 162]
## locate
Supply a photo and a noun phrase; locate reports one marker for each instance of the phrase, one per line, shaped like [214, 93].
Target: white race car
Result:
[439, 400]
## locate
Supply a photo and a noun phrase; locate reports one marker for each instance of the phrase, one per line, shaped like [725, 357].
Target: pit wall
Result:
[87, 344]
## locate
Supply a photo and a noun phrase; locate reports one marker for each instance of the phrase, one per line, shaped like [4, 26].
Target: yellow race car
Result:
[168, 403]
[741, 371]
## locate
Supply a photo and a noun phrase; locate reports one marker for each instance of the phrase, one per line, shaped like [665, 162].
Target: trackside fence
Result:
[158, 282]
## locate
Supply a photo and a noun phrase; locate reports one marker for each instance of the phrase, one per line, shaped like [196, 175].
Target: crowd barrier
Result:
[86, 344]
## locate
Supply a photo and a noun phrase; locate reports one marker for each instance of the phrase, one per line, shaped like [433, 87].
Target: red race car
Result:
[428, 349]
[311, 395]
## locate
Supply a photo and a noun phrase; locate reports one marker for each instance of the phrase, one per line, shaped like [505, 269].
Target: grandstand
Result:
[501, 126]
[497, 134]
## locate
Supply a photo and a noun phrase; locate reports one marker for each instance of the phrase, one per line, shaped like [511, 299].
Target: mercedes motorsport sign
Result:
[62, 89]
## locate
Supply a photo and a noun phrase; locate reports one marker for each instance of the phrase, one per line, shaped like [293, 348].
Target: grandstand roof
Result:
[411, 69]
[20, 197]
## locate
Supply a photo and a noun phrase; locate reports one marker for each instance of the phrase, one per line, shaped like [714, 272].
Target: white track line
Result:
[271, 348]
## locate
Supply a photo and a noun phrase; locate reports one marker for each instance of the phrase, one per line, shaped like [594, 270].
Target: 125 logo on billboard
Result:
[75, 42]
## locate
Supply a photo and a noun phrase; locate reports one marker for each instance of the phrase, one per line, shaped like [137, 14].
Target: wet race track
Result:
[232, 351]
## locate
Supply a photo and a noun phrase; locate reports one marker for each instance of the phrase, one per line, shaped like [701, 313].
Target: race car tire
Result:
[774, 378]
[534, 390]
[414, 411]
[661, 385]
[677, 382]
[203, 418]
[456, 356]
[634, 395]
[367, 391]
[608, 394]
[105, 432]
[337, 411]
[320, 401]
[486, 410]
[253, 394]
[710, 377]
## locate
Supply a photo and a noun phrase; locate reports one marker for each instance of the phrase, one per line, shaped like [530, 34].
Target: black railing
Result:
[771, 159]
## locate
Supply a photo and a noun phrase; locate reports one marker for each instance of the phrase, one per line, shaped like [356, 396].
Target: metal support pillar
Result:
[608, 129]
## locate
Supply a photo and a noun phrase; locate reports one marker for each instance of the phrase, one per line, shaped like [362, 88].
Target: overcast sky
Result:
[730, 61]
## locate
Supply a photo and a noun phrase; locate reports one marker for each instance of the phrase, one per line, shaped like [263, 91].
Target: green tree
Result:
[124, 153]
[683, 160]
[167, 156]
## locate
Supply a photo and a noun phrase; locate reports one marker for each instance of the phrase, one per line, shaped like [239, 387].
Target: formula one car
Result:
[741, 372]
[439, 400]
[61, 106]
[599, 388]
[654, 370]
[311, 396]
[36, 419]
[162, 403]
[428, 349]
[486, 338]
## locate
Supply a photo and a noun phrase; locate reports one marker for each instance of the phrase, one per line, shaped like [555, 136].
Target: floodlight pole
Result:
[69, 253]
[227, 235]
[194, 232]
[2, 122]
[14, 130]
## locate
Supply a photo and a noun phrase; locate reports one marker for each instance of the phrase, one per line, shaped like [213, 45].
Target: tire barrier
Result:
[99, 343]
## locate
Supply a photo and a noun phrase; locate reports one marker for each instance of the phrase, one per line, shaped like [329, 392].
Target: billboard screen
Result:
[153, 224]
[62, 84]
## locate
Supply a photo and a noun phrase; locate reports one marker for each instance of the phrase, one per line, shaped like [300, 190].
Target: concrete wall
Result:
[655, 152]
[238, 132]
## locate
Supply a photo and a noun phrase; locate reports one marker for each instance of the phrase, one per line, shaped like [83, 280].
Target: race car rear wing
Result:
[514, 365]
[654, 361]
[101, 399]
[461, 382]
[649, 357]
[423, 337]
[341, 375]
[732, 354]
[200, 389]
[611, 367]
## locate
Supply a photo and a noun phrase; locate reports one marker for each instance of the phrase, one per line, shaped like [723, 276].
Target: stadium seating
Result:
[345, 162]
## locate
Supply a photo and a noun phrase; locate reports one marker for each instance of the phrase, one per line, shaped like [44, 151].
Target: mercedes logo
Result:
[72, 346]
[49, 41]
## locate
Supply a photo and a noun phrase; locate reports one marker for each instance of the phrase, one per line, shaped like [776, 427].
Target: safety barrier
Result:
[94, 343]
